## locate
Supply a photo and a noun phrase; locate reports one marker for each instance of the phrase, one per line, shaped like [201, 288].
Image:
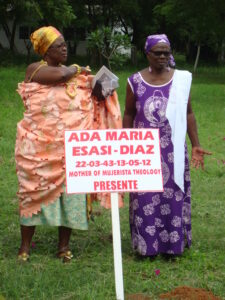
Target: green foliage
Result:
[55, 12]
[119, 60]
[109, 44]
[58, 12]
[187, 25]
[198, 25]
[33, 13]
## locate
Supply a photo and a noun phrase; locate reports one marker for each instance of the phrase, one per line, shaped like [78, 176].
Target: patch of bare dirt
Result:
[179, 293]
[188, 293]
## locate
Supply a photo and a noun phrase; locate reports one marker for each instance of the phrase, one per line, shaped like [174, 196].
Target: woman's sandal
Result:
[23, 257]
[66, 256]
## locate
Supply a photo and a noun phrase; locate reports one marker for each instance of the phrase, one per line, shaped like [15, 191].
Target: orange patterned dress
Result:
[39, 151]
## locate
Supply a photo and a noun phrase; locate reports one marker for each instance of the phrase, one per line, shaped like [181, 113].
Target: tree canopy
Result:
[190, 26]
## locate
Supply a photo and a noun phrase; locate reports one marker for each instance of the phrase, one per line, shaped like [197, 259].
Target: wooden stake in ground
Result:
[117, 247]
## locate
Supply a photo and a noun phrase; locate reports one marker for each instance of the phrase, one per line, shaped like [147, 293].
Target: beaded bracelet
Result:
[78, 69]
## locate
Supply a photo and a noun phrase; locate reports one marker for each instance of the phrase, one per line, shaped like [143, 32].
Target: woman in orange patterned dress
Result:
[56, 98]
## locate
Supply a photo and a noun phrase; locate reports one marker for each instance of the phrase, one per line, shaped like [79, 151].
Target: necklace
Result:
[71, 87]
[43, 62]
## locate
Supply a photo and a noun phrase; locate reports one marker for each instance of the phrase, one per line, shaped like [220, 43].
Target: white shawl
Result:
[176, 114]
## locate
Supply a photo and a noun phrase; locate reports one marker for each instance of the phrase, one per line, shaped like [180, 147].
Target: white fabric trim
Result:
[176, 114]
[131, 85]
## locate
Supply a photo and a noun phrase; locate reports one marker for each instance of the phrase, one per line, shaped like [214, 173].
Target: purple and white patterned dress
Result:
[159, 222]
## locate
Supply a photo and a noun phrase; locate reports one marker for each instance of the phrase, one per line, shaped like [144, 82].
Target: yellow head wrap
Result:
[43, 37]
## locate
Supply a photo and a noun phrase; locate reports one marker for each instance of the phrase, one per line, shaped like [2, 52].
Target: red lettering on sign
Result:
[111, 136]
[149, 149]
[115, 185]
[73, 137]
[149, 135]
[84, 136]
[95, 136]
[123, 136]
[139, 149]
[85, 150]
[129, 135]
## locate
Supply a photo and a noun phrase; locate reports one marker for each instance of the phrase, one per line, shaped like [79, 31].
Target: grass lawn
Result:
[90, 275]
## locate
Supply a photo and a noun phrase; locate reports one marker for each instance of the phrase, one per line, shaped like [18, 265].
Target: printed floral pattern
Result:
[168, 193]
[68, 210]
[170, 157]
[159, 222]
[165, 209]
[39, 150]
[149, 209]
[176, 221]
[156, 200]
[151, 230]
[164, 141]
[141, 90]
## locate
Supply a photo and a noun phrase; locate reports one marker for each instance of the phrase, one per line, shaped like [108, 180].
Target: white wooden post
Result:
[117, 246]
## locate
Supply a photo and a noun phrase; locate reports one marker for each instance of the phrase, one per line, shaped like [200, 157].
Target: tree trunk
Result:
[187, 49]
[109, 65]
[134, 55]
[10, 35]
[222, 52]
[100, 58]
[12, 45]
[135, 39]
[28, 46]
[197, 57]
[6, 30]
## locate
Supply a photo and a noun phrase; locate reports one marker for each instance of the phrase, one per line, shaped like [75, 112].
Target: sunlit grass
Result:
[90, 275]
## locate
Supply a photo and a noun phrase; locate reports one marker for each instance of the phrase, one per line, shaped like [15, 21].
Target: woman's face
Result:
[159, 55]
[57, 52]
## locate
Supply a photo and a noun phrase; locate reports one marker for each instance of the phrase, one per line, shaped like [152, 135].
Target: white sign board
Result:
[114, 160]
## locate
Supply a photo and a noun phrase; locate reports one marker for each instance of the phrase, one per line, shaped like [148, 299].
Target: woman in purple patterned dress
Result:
[158, 97]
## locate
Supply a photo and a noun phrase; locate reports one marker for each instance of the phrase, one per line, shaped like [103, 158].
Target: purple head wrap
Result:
[154, 39]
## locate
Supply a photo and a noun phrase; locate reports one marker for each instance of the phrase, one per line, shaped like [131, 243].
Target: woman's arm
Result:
[197, 157]
[51, 75]
[130, 108]
[192, 126]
